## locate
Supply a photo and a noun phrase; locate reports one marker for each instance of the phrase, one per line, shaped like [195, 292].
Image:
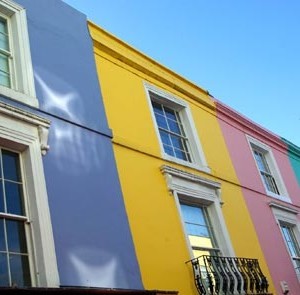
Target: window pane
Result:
[161, 121]
[4, 63]
[2, 238]
[4, 79]
[170, 114]
[19, 268]
[193, 214]
[174, 127]
[177, 142]
[16, 236]
[169, 150]
[198, 242]
[157, 108]
[1, 197]
[14, 196]
[165, 137]
[3, 26]
[3, 35]
[11, 165]
[197, 230]
[181, 154]
[4, 280]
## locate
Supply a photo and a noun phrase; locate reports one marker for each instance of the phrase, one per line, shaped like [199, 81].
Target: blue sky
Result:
[245, 53]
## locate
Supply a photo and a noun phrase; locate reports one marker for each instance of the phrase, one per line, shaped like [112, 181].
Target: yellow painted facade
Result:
[157, 230]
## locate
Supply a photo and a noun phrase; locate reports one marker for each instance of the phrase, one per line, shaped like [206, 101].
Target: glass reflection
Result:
[16, 236]
[4, 280]
[14, 198]
[1, 197]
[19, 268]
[11, 165]
[2, 236]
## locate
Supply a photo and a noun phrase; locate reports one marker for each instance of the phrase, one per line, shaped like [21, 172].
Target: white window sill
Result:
[186, 163]
[18, 96]
[279, 197]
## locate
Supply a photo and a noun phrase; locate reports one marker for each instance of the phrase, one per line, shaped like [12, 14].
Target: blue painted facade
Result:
[92, 238]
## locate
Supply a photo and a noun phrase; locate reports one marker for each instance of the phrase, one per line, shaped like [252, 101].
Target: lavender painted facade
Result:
[92, 240]
[272, 197]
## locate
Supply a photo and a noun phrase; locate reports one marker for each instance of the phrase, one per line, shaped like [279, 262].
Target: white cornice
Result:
[189, 177]
[128, 55]
[283, 207]
[22, 115]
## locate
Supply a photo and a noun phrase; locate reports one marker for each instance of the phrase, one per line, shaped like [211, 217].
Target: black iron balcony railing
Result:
[228, 275]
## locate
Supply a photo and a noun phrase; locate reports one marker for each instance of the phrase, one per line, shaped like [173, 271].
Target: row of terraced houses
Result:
[119, 176]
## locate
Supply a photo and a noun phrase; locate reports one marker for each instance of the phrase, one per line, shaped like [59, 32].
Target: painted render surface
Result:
[93, 242]
[157, 230]
[235, 128]
[294, 156]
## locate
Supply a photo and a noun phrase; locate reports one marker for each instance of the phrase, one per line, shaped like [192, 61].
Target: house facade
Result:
[181, 191]
[62, 216]
[268, 170]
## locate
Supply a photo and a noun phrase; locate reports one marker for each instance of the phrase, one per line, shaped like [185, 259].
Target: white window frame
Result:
[25, 133]
[22, 80]
[275, 172]
[195, 190]
[194, 145]
[287, 215]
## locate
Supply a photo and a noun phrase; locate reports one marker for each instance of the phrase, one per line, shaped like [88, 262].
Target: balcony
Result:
[80, 291]
[228, 275]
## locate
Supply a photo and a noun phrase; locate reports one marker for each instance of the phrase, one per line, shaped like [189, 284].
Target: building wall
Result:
[154, 219]
[235, 128]
[294, 156]
[93, 243]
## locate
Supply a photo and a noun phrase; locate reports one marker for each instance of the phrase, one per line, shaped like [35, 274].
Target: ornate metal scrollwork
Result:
[228, 275]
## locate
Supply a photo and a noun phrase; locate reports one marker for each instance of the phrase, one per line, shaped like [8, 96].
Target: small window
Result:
[268, 170]
[199, 230]
[265, 172]
[16, 72]
[5, 54]
[292, 244]
[175, 129]
[171, 131]
[14, 257]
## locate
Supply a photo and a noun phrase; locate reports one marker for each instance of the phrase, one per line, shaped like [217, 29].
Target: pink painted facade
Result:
[268, 211]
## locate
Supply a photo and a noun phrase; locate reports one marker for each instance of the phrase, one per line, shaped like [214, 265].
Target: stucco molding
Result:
[171, 171]
[41, 123]
[288, 209]
[226, 113]
[139, 61]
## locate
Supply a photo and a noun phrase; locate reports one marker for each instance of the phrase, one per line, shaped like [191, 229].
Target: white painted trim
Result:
[253, 142]
[287, 215]
[196, 151]
[19, 130]
[197, 190]
[284, 208]
[23, 88]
